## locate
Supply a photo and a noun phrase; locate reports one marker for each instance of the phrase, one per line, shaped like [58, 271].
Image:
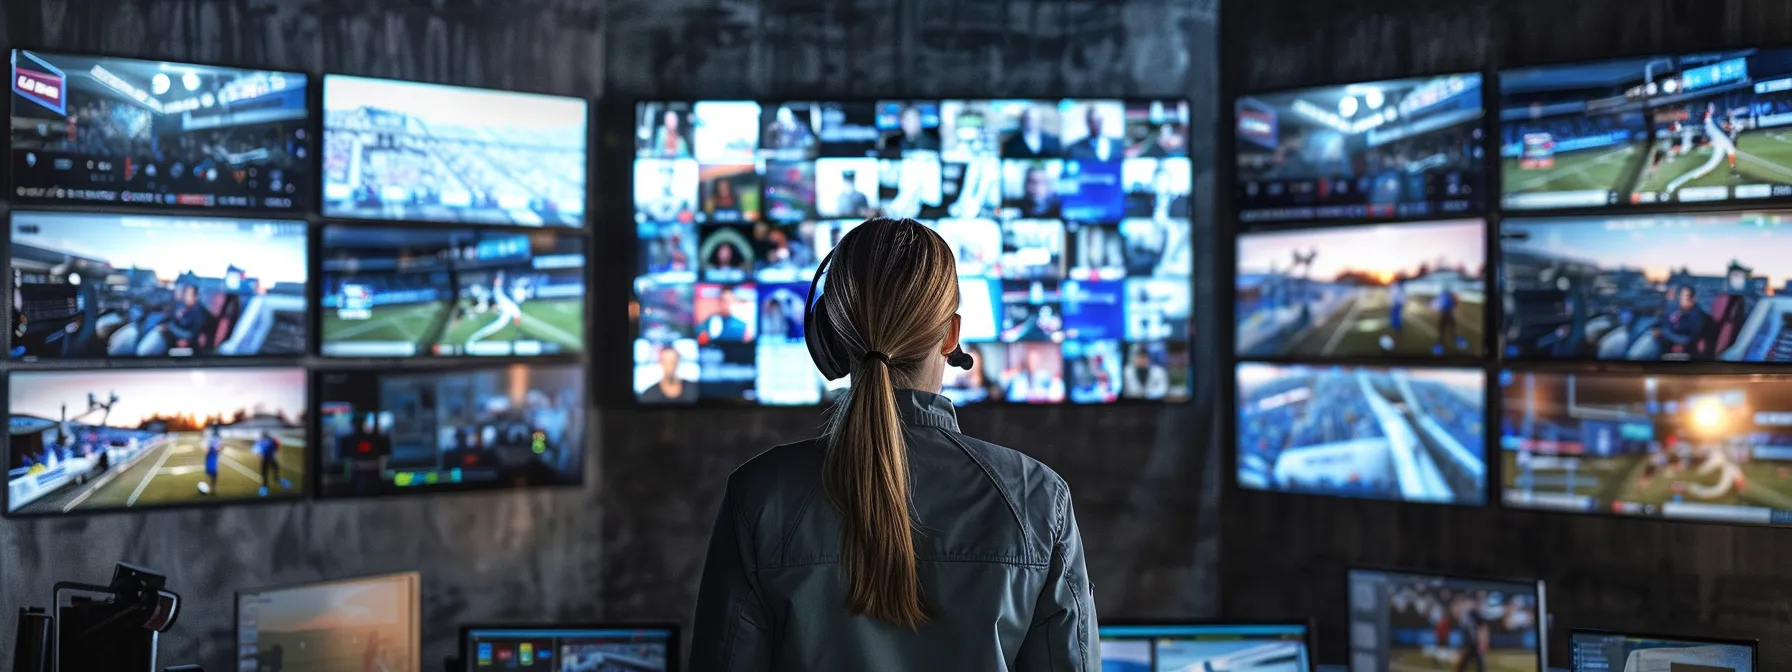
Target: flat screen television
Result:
[615, 646]
[1169, 645]
[446, 292]
[1395, 149]
[410, 151]
[120, 131]
[404, 431]
[1069, 219]
[136, 438]
[1648, 288]
[1602, 651]
[368, 623]
[97, 286]
[1690, 447]
[1395, 291]
[1432, 622]
[1649, 130]
[1395, 433]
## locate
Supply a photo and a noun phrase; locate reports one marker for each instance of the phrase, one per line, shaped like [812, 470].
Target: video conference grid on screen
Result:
[1391, 290]
[410, 151]
[1705, 287]
[1406, 148]
[408, 291]
[1417, 622]
[1687, 128]
[95, 129]
[1407, 434]
[570, 649]
[1174, 648]
[1590, 651]
[130, 286]
[1069, 219]
[369, 623]
[118, 439]
[389, 432]
[1700, 447]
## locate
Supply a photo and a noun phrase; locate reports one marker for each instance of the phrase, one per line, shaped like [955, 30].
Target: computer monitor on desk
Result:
[1140, 646]
[1602, 651]
[569, 648]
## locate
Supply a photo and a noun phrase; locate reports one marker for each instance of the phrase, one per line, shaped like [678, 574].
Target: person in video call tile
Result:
[914, 137]
[1144, 379]
[670, 388]
[1041, 195]
[1029, 141]
[1169, 203]
[1035, 382]
[725, 257]
[723, 326]
[1165, 141]
[1683, 325]
[852, 202]
[785, 133]
[668, 138]
[1095, 147]
[775, 323]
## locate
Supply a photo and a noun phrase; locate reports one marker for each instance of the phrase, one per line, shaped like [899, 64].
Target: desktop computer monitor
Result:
[570, 648]
[1425, 622]
[363, 623]
[1601, 651]
[1216, 646]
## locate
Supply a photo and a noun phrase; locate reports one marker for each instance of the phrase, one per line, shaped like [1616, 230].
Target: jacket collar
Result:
[926, 409]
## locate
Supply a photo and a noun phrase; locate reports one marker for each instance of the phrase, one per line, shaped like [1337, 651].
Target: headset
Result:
[823, 337]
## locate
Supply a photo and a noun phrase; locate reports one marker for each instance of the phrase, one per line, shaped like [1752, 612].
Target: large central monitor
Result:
[1687, 128]
[1172, 647]
[1407, 434]
[1692, 447]
[426, 152]
[1395, 149]
[120, 131]
[370, 623]
[1069, 219]
[1436, 623]
[1600, 651]
[570, 648]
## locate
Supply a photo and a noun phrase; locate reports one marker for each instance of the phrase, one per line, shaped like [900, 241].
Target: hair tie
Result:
[880, 356]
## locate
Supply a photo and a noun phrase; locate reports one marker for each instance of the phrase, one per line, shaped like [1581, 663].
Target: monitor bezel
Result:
[674, 637]
[1754, 645]
[1228, 121]
[413, 578]
[1309, 624]
[591, 137]
[305, 206]
[623, 209]
[1543, 615]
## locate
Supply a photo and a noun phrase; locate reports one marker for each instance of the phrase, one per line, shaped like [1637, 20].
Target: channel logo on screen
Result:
[43, 88]
[1257, 123]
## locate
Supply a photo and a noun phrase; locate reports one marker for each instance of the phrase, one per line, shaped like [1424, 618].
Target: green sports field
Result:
[1619, 479]
[1355, 329]
[1763, 157]
[337, 649]
[559, 321]
[1586, 170]
[170, 473]
[408, 323]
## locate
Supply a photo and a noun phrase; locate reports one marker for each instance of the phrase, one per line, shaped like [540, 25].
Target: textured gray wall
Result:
[1146, 487]
[1286, 555]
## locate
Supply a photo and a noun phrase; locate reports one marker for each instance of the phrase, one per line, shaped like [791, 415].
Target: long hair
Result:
[892, 289]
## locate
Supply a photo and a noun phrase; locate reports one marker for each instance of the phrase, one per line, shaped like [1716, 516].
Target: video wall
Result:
[1603, 338]
[171, 287]
[1070, 220]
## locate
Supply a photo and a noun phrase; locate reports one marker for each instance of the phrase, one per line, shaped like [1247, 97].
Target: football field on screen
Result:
[1586, 170]
[558, 321]
[170, 472]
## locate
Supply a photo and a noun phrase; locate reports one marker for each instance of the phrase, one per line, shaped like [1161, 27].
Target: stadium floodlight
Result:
[160, 83]
[1347, 106]
[190, 80]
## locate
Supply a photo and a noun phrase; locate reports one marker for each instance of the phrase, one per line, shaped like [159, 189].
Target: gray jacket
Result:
[1001, 565]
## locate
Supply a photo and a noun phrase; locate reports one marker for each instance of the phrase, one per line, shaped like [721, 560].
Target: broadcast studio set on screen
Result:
[235, 286]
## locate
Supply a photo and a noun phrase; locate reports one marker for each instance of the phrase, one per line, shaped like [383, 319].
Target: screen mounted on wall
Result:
[1406, 434]
[1707, 287]
[404, 292]
[1689, 128]
[135, 286]
[1069, 219]
[409, 151]
[1386, 290]
[102, 130]
[125, 439]
[1405, 149]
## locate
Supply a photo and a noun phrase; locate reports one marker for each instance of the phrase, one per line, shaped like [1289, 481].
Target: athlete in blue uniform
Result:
[214, 446]
[268, 448]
